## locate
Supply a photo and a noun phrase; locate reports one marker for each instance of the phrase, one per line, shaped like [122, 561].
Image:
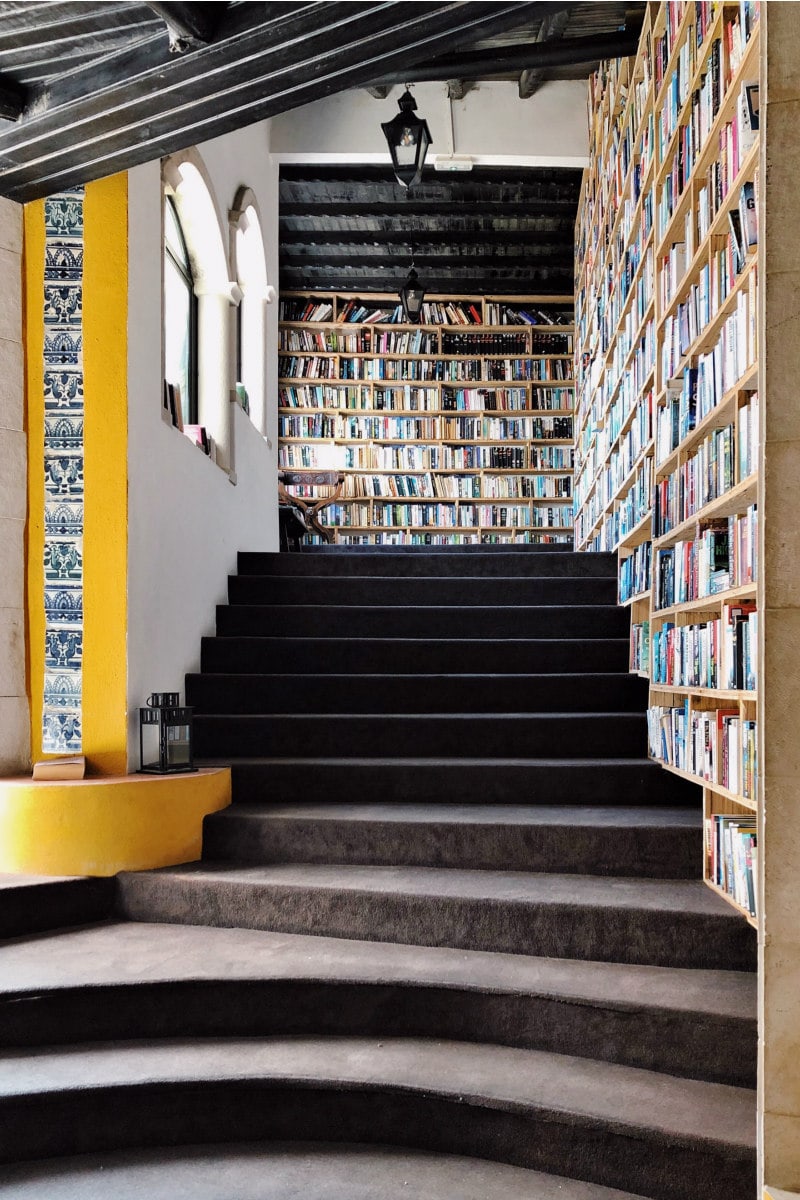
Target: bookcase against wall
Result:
[667, 411]
[455, 430]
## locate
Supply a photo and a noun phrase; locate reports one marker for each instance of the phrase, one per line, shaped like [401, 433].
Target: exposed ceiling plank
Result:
[140, 104]
[487, 285]
[425, 238]
[532, 56]
[12, 99]
[411, 207]
[295, 260]
[551, 31]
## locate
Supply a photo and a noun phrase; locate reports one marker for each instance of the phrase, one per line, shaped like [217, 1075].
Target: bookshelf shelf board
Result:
[511, 414]
[636, 536]
[719, 416]
[727, 505]
[725, 896]
[726, 694]
[716, 788]
[707, 603]
[638, 598]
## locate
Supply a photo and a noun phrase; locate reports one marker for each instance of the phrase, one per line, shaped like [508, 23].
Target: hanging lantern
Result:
[412, 293]
[165, 735]
[408, 138]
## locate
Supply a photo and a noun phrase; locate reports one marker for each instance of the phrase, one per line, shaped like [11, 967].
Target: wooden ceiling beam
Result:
[551, 30]
[485, 209]
[294, 258]
[12, 99]
[139, 104]
[462, 282]
[428, 237]
[193, 23]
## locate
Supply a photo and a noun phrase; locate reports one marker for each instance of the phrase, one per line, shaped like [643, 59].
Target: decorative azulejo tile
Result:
[62, 316]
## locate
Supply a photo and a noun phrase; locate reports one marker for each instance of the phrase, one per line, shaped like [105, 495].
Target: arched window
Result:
[247, 253]
[180, 315]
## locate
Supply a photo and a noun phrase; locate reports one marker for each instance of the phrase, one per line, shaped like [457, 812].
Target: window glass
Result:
[179, 306]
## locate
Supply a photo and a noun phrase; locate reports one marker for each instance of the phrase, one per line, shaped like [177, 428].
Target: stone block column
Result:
[14, 720]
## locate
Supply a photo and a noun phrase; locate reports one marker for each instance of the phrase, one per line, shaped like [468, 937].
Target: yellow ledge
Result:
[108, 824]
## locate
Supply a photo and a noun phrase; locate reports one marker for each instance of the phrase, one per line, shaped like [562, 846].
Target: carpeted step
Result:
[239, 693]
[667, 1138]
[435, 621]
[361, 561]
[32, 903]
[289, 1171]
[425, 590]
[445, 735]
[463, 781]
[655, 922]
[654, 843]
[125, 981]
[396, 655]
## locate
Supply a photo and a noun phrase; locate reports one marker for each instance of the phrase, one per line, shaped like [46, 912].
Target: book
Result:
[69, 766]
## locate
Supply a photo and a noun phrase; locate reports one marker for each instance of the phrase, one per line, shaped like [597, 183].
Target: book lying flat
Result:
[67, 767]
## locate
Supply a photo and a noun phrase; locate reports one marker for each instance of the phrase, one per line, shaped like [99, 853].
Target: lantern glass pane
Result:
[178, 745]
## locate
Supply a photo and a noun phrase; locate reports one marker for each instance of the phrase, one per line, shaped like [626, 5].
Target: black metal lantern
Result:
[408, 137]
[412, 293]
[165, 729]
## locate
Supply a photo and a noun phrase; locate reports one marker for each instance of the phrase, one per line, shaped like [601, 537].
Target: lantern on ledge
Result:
[165, 731]
[408, 138]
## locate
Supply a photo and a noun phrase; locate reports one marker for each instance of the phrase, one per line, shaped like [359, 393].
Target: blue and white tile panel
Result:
[63, 472]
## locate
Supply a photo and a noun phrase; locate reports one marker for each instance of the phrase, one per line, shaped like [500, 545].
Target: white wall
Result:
[14, 719]
[491, 123]
[186, 519]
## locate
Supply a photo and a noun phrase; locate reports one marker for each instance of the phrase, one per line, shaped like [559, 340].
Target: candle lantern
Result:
[165, 735]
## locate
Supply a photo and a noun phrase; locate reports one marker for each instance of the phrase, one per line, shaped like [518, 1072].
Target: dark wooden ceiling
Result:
[490, 230]
[87, 89]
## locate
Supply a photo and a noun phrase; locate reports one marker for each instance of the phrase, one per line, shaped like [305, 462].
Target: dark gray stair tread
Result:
[473, 814]
[135, 953]
[647, 841]
[421, 589]
[578, 1090]
[224, 692]
[288, 1171]
[654, 895]
[559, 561]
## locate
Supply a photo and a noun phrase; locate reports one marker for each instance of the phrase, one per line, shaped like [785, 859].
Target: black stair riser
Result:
[264, 589]
[51, 905]
[636, 782]
[222, 693]
[354, 655]
[624, 934]
[80, 1121]
[620, 735]
[690, 1044]
[657, 853]
[492, 564]
[322, 620]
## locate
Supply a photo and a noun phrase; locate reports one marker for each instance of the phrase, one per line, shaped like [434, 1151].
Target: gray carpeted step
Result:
[656, 922]
[450, 735]
[124, 981]
[649, 842]
[670, 1139]
[397, 621]
[463, 780]
[356, 654]
[425, 590]
[240, 693]
[289, 1171]
[32, 903]
[363, 561]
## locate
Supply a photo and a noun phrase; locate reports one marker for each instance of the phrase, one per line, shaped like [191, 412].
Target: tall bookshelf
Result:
[667, 412]
[458, 429]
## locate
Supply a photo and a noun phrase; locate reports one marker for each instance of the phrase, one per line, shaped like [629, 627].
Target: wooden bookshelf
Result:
[456, 430]
[666, 376]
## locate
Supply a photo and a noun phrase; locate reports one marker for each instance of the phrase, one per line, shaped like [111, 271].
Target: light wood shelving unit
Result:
[667, 422]
[448, 432]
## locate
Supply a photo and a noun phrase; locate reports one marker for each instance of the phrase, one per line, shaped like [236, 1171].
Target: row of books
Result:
[555, 369]
[722, 555]
[471, 516]
[634, 573]
[717, 745]
[497, 344]
[413, 537]
[498, 313]
[330, 340]
[448, 458]
[720, 652]
[732, 857]
[459, 487]
[635, 504]
[706, 475]
[410, 369]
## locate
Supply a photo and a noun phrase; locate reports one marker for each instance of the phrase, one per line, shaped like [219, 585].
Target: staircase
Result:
[450, 940]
